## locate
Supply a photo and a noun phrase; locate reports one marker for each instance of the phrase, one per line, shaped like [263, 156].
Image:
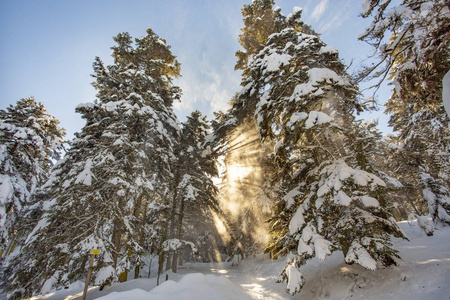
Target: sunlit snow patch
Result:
[190, 287]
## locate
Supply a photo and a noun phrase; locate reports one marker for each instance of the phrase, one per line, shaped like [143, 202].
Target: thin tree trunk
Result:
[172, 227]
[179, 232]
[116, 237]
[161, 254]
[141, 236]
[160, 260]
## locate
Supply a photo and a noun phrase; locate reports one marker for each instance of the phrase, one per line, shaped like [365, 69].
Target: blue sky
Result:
[48, 46]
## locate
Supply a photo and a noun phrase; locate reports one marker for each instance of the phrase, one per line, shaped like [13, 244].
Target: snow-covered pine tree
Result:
[118, 169]
[196, 194]
[437, 197]
[30, 141]
[328, 197]
[416, 58]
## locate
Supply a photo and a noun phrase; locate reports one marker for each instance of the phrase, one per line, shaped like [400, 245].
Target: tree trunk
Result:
[179, 236]
[172, 227]
[141, 236]
[136, 271]
[161, 254]
[160, 260]
[116, 237]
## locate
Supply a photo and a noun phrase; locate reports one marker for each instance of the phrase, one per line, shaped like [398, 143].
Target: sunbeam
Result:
[241, 194]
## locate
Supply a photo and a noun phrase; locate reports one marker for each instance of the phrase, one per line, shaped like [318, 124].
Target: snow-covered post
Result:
[88, 278]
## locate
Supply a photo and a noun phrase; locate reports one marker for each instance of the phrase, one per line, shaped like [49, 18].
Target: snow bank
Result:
[190, 287]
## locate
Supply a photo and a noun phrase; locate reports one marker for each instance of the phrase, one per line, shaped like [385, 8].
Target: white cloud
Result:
[319, 9]
[335, 20]
[208, 87]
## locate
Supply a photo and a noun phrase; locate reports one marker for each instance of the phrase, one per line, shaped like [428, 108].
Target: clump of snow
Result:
[172, 245]
[85, 105]
[317, 118]
[296, 117]
[317, 76]
[370, 201]
[274, 61]
[329, 49]
[296, 9]
[339, 172]
[290, 197]
[104, 274]
[388, 179]
[366, 7]
[358, 254]
[85, 177]
[426, 224]
[190, 287]
[322, 247]
[297, 220]
[295, 280]
[342, 198]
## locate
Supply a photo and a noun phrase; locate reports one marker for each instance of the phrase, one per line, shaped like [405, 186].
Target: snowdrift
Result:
[190, 287]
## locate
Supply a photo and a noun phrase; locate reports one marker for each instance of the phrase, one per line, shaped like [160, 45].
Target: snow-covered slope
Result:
[424, 273]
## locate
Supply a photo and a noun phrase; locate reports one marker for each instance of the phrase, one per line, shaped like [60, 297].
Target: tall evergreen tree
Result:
[117, 171]
[30, 140]
[196, 194]
[415, 58]
[327, 196]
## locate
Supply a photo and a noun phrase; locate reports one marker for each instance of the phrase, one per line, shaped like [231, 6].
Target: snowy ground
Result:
[424, 273]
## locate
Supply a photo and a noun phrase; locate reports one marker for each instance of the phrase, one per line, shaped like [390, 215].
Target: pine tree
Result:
[415, 58]
[117, 171]
[30, 140]
[196, 194]
[328, 197]
[437, 197]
